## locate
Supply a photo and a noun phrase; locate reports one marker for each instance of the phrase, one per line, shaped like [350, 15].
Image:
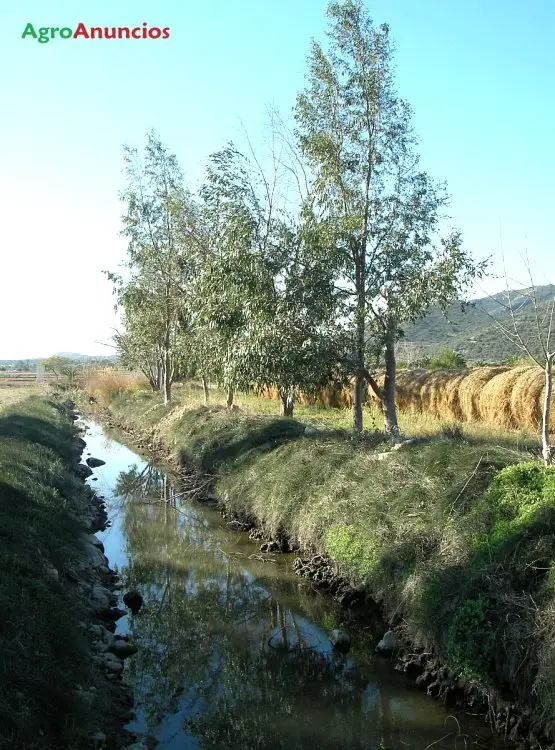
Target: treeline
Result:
[296, 268]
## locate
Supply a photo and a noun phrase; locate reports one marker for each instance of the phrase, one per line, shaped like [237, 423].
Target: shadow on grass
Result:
[230, 444]
[35, 429]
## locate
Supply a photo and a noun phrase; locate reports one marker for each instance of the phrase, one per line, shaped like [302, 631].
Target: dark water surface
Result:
[233, 647]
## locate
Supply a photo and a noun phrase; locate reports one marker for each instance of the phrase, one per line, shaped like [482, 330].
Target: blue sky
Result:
[479, 75]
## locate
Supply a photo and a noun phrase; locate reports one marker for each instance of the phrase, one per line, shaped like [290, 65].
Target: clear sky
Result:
[480, 75]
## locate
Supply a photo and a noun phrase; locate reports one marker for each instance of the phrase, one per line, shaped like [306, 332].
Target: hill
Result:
[475, 333]
[29, 363]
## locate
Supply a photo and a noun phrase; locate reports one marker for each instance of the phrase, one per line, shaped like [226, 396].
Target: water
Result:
[233, 647]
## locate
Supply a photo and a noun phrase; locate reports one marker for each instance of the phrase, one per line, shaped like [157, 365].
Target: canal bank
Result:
[61, 681]
[233, 647]
[402, 523]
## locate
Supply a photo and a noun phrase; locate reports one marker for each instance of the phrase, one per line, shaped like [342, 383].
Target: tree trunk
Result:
[286, 401]
[205, 389]
[167, 377]
[358, 396]
[229, 400]
[160, 370]
[547, 451]
[358, 399]
[387, 404]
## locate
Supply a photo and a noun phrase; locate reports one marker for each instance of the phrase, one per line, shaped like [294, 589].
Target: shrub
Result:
[107, 384]
[447, 360]
[470, 640]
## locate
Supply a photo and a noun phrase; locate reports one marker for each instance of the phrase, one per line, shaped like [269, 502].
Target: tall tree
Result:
[267, 297]
[159, 223]
[379, 212]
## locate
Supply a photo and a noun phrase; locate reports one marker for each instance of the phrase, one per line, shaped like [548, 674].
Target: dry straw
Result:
[511, 398]
[470, 389]
[527, 398]
[494, 402]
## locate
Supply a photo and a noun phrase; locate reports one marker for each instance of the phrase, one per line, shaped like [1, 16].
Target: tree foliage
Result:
[379, 211]
[154, 293]
[253, 288]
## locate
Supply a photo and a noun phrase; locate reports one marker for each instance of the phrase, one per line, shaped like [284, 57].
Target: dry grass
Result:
[107, 383]
[10, 395]
[412, 423]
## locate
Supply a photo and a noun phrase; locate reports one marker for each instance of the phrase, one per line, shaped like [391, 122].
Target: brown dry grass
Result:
[107, 383]
[10, 394]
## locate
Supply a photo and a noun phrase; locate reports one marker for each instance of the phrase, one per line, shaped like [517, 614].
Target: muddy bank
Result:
[426, 670]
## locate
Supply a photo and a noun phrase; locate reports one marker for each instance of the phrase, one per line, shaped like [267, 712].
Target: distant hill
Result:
[474, 333]
[30, 362]
[87, 357]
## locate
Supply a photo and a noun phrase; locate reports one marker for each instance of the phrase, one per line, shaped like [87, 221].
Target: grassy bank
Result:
[454, 536]
[42, 654]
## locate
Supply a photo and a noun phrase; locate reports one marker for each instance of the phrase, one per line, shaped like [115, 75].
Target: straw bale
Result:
[471, 387]
[494, 402]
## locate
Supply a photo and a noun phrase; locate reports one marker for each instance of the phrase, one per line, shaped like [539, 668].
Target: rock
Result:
[98, 738]
[388, 643]
[311, 430]
[94, 479]
[83, 471]
[270, 547]
[137, 746]
[51, 573]
[100, 597]
[404, 444]
[96, 542]
[112, 663]
[111, 613]
[123, 649]
[133, 600]
[340, 640]
[95, 462]
[108, 637]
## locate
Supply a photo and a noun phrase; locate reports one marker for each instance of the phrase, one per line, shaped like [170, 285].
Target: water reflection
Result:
[233, 651]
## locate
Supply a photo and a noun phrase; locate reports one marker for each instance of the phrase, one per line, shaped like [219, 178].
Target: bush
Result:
[107, 384]
[447, 360]
[470, 640]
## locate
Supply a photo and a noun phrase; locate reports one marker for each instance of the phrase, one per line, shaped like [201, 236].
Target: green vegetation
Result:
[43, 653]
[454, 536]
[447, 360]
[295, 268]
[474, 333]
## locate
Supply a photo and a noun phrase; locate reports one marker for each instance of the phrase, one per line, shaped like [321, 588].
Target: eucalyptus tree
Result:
[267, 300]
[378, 211]
[155, 291]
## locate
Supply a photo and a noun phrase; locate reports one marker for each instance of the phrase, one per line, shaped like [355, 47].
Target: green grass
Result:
[43, 654]
[454, 536]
